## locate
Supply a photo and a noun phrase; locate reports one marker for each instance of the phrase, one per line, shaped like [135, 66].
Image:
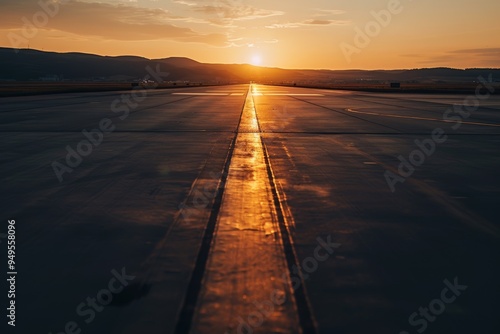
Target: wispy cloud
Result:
[109, 21]
[481, 52]
[225, 12]
[283, 25]
[185, 3]
[325, 22]
[250, 42]
[326, 12]
[321, 17]
[311, 22]
[482, 56]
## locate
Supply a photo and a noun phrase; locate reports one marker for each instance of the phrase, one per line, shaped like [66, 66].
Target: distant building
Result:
[50, 78]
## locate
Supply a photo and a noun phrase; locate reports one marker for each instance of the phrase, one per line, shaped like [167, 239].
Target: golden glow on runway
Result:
[247, 262]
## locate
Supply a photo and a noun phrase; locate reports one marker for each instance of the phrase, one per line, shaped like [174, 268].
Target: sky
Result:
[314, 34]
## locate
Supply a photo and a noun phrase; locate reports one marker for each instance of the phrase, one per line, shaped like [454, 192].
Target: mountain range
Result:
[36, 65]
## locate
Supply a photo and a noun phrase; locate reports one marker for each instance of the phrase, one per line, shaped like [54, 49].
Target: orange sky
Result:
[342, 34]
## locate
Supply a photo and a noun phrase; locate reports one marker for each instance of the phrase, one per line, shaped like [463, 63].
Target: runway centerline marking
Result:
[295, 94]
[225, 92]
[246, 263]
[210, 94]
[284, 94]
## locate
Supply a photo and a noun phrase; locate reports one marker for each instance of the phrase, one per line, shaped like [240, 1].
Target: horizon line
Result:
[265, 67]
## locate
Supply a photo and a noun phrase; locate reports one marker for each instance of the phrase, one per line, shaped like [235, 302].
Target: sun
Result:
[256, 60]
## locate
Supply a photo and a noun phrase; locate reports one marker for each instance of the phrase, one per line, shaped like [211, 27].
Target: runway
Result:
[254, 209]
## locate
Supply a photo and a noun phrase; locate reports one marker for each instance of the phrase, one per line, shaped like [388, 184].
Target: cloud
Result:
[283, 25]
[325, 12]
[311, 22]
[108, 21]
[225, 12]
[481, 52]
[325, 22]
[186, 3]
[251, 42]
[480, 55]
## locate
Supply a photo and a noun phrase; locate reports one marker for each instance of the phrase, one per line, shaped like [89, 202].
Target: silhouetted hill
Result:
[27, 65]
[179, 61]
[34, 65]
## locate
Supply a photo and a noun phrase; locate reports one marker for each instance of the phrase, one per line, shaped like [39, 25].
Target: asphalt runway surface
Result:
[252, 209]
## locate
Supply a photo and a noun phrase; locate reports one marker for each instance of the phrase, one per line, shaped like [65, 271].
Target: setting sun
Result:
[362, 34]
[256, 60]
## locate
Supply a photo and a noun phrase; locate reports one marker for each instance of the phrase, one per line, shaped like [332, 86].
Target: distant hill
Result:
[180, 61]
[35, 65]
